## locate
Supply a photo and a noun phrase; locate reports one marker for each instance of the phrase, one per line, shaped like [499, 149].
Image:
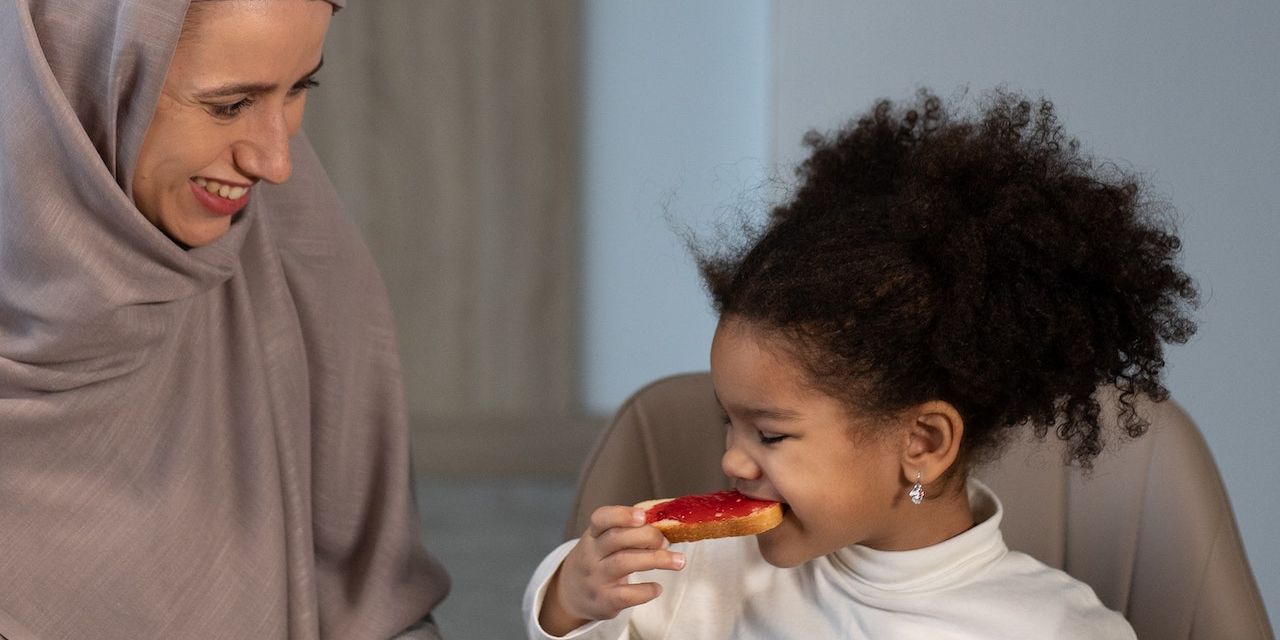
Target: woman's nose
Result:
[736, 463]
[264, 153]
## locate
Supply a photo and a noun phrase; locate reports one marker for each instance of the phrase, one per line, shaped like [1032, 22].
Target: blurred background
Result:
[524, 172]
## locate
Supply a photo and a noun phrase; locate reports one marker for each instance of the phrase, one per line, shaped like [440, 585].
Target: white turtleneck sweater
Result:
[970, 586]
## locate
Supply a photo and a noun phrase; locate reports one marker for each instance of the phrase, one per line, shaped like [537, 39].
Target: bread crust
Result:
[756, 522]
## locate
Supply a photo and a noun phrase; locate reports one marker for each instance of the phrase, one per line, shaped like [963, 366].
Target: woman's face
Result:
[232, 98]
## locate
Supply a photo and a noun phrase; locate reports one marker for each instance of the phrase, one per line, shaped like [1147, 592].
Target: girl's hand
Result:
[591, 583]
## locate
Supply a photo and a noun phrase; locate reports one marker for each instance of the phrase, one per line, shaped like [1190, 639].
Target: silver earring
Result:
[917, 491]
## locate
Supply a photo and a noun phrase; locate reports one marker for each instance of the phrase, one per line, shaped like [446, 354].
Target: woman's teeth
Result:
[221, 190]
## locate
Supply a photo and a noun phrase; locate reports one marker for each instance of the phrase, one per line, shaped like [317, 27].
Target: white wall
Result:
[676, 109]
[1187, 93]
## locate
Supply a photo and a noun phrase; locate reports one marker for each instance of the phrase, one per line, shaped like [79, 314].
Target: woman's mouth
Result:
[218, 197]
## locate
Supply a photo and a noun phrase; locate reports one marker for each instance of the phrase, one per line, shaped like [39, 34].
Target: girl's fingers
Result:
[630, 595]
[619, 538]
[624, 563]
[606, 518]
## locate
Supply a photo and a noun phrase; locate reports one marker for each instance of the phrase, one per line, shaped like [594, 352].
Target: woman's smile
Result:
[220, 198]
[234, 96]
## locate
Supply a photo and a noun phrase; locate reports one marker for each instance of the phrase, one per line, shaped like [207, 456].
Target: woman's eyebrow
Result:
[238, 88]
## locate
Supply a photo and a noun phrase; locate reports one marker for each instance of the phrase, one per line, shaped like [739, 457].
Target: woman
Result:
[202, 429]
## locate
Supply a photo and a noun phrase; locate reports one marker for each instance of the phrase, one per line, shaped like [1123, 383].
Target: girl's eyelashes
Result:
[770, 438]
[766, 437]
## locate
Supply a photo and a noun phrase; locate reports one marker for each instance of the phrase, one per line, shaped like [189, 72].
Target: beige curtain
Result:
[450, 129]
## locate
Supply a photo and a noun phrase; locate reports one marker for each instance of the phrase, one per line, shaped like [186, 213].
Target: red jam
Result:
[708, 506]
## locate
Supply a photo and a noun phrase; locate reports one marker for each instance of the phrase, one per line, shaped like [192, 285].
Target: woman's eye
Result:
[227, 111]
[309, 83]
[771, 438]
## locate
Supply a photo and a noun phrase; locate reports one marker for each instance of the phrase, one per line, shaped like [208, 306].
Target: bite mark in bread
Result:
[711, 515]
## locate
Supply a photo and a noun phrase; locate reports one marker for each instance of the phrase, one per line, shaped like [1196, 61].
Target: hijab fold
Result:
[193, 443]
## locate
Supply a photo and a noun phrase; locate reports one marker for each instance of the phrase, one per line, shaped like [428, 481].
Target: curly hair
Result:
[980, 259]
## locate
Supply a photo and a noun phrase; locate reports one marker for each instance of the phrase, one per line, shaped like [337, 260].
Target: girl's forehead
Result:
[757, 372]
[747, 349]
[751, 369]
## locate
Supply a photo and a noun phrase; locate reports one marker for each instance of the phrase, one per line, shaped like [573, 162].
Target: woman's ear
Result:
[933, 431]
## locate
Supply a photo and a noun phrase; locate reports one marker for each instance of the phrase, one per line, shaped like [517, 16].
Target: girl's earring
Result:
[917, 492]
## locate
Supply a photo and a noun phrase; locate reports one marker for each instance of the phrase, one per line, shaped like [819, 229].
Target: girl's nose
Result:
[736, 463]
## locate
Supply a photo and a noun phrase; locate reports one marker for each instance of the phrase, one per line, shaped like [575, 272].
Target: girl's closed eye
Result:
[768, 437]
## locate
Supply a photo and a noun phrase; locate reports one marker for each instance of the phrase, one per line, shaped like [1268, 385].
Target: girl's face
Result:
[788, 442]
[232, 98]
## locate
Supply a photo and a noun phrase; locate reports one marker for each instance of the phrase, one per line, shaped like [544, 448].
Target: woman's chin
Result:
[197, 235]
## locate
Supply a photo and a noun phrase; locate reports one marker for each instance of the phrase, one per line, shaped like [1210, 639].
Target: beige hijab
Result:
[193, 444]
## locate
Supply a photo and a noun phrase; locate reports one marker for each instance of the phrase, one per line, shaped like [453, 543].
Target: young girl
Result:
[937, 282]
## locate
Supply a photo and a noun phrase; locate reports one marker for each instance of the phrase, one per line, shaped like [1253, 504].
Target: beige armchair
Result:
[1151, 529]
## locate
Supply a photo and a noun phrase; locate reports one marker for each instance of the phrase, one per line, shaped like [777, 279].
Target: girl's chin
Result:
[781, 549]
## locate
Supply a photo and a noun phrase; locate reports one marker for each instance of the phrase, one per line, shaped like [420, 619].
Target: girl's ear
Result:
[933, 433]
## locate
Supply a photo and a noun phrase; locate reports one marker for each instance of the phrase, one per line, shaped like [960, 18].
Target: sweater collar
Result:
[949, 563]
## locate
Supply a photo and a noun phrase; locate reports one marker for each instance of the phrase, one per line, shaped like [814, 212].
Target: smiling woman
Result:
[232, 98]
[202, 424]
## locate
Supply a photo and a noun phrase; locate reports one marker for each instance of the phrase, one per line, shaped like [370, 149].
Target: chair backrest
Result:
[1150, 529]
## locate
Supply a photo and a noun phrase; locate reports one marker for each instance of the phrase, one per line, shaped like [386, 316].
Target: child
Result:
[936, 283]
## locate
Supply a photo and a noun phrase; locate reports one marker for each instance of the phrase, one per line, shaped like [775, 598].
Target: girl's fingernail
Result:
[637, 516]
[677, 559]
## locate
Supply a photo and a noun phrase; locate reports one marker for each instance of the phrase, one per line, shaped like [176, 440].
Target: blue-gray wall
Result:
[680, 95]
[676, 120]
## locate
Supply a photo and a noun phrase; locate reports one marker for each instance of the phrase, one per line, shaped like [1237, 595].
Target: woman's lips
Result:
[217, 204]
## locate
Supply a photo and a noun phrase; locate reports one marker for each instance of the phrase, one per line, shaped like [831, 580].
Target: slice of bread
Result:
[711, 515]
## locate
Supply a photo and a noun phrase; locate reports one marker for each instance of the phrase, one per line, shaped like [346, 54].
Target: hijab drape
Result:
[193, 443]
